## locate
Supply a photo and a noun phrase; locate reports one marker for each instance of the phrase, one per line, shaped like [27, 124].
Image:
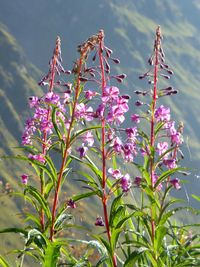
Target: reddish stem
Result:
[152, 136]
[104, 197]
[67, 144]
[51, 85]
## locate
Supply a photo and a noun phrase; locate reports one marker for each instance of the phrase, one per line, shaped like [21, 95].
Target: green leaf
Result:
[84, 195]
[35, 236]
[132, 259]
[168, 173]
[159, 235]
[196, 197]
[52, 252]
[115, 204]
[40, 199]
[114, 237]
[61, 218]
[14, 230]
[3, 262]
[55, 124]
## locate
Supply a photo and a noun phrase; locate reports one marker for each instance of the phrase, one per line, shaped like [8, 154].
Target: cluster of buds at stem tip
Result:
[55, 65]
[164, 70]
[92, 44]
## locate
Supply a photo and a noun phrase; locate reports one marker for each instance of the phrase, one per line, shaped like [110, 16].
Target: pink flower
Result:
[132, 133]
[38, 157]
[115, 173]
[162, 148]
[100, 111]
[33, 101]
[135, 118]
[110, 94]
[52, 98]
[84, 112]
[110, 134]
[116, 115]
[129, 150]
[99, 221]
[137, 181]
[89, 94]
[154, 179]
[71, 204]
[170, 163]
[162, 114]
[176, 138]
[117, 145]
[176, 183]
[24, 178]
[88, 138]
[82, 150]
[125, 183]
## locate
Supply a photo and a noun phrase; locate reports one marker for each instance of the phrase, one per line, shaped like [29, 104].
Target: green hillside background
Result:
[28, 30]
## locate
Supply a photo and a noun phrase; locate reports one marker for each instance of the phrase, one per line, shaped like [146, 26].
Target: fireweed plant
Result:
[77, 127]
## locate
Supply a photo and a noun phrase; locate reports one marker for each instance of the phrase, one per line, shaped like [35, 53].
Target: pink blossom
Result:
[84, 112]
[116, 115]
[137, 181]
[71, 204]
[110, 134]
[117, 145]
[99, 221]
[38, 157]
[162, 148]
[88, 138]
[170, 163]
[24, 178]
[125, 183]
[176, 183]
[52, 98]
[132, 133]
[135, 118]
[110, 94]
[100, 111]
[89, 94]
[177, 138]
[154, 180]
[115, 173]
[129, 150]
[82, 150]
[33, 101]
[162, 114]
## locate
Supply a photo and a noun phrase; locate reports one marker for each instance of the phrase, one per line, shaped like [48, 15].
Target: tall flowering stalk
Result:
[161, 152]
[103, 140]
[157, 47]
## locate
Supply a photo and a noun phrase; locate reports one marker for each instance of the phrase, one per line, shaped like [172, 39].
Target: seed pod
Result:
[150, 82]
[121, 76]
[83, 79]
[68, 72]
[125, 96]
[170, 72]
[116, 60]
[138, 103]
[165, 76]
[94, 57]
[138, 92]
[150, 61]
